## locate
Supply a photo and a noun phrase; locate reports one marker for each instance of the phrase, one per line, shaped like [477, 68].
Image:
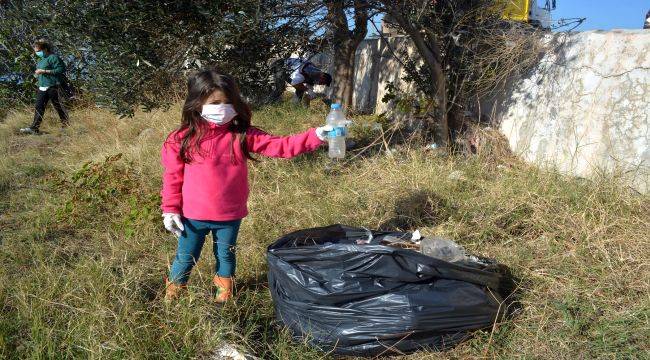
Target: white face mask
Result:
[218, 113]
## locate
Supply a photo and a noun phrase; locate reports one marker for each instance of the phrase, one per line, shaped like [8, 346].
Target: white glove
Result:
[322, 131]
[173, 223]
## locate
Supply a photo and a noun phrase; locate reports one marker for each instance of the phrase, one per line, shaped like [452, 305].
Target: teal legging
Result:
[190, 243]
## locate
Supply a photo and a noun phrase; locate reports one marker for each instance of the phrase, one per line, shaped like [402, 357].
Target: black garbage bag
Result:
[371, 299]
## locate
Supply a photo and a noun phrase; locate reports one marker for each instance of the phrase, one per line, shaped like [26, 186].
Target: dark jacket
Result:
[51, 62]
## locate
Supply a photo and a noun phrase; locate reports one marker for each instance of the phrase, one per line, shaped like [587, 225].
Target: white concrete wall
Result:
[585, 108]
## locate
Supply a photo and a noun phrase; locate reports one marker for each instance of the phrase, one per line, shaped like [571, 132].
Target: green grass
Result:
[84, 252]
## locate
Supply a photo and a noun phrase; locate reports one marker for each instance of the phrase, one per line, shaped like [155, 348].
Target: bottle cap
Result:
[336, 106]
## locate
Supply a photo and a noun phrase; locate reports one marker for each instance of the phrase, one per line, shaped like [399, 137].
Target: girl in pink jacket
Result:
[205, 179]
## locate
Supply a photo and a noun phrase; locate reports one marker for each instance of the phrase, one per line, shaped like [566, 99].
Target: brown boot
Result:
[224, 288]
[173, 290]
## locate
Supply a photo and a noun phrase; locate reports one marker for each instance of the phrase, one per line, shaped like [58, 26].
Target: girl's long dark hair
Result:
[200, 86]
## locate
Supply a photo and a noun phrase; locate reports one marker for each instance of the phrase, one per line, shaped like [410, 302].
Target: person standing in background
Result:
[646, 24]
[49, 71]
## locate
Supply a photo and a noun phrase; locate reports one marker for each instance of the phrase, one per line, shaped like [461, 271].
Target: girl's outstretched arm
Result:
[172, 181]
[260, 142]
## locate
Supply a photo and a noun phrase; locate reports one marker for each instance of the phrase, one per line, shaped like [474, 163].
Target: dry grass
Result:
[84, 253]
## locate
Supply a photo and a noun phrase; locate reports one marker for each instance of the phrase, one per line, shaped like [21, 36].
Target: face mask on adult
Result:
[218, 113]
[40, 53]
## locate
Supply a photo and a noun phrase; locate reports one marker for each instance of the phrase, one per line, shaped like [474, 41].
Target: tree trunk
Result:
[345, 43]
[343, 84]
[430, 53]
[440, 125]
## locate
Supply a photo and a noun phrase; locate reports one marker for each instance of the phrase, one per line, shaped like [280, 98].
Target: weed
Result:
[84, 253]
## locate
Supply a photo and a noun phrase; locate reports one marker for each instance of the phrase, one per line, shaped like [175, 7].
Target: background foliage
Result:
[129, 54]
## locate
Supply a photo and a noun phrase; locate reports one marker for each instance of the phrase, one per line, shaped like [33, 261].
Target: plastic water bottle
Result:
[443, 249]
[336, 137]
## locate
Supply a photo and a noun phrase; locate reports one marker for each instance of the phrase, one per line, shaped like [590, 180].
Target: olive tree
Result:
[337, 27]
[465, 50]
[129, 54]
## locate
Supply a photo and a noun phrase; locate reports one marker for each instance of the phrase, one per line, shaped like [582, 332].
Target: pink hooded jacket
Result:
[214, 186]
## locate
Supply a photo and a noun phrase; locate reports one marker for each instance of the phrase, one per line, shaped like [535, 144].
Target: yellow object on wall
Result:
[516, 10]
